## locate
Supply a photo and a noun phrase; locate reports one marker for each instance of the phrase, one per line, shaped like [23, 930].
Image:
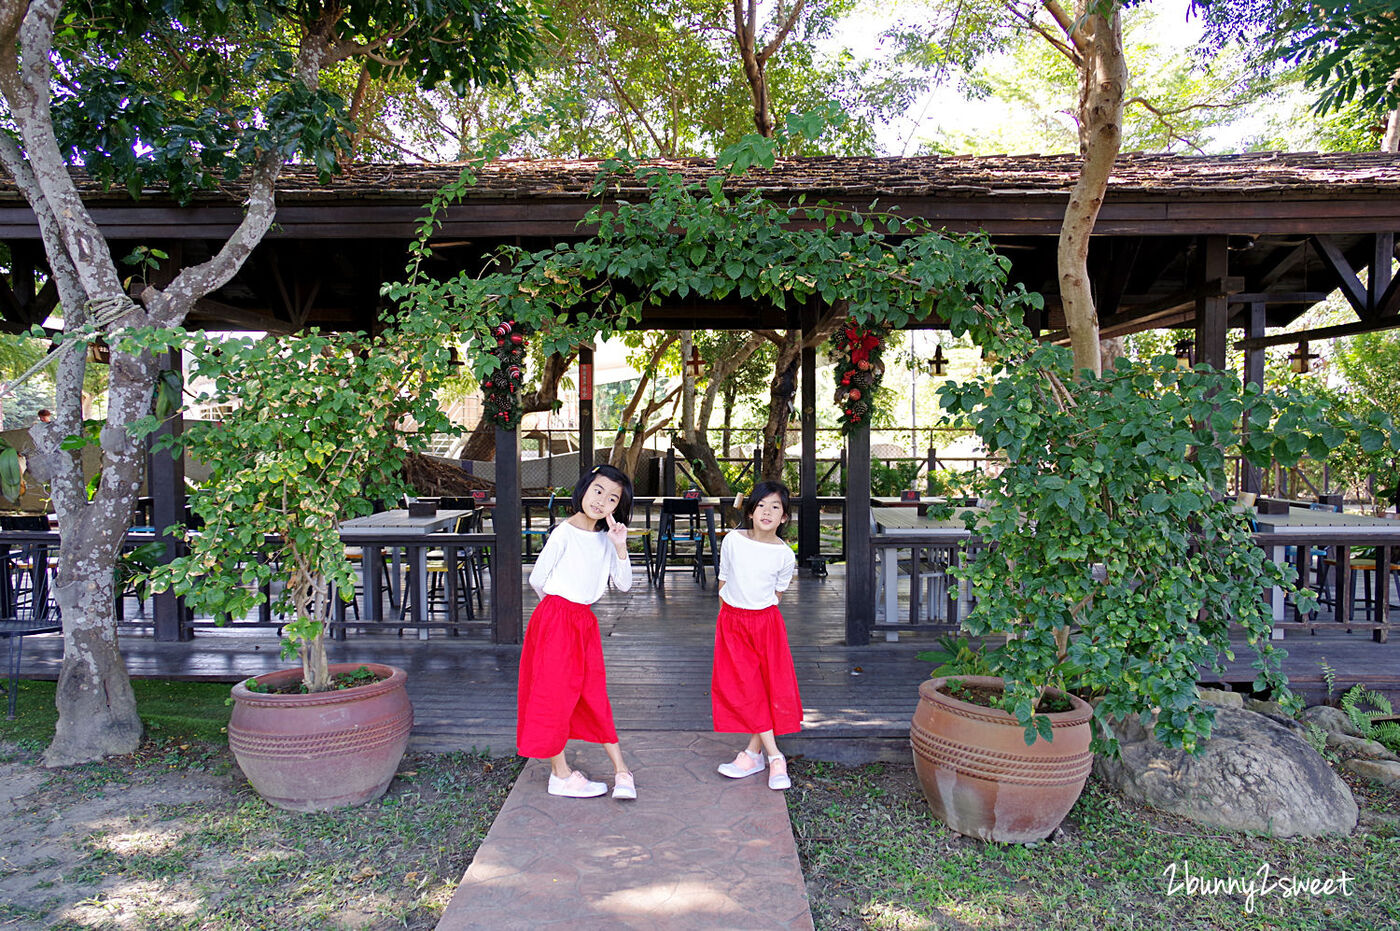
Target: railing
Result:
[916, 591]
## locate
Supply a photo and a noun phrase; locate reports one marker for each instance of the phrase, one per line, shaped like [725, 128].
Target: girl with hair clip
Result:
[563, 692]
[753, 689]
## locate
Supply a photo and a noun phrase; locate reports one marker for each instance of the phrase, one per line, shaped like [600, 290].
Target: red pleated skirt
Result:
[753, 687]
[563, 691]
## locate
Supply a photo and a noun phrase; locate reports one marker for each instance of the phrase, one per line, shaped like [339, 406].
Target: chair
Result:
[29, 569]
[1366, 565]
[679, 527]
[449, 579]
[532, 532]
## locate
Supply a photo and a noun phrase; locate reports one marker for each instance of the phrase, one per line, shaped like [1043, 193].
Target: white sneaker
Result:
[575, 785]
[777, 773]
[745, 764]
[624, 786]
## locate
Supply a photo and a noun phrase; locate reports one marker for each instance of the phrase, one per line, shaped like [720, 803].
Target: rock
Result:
[1332, 720]
[1358, 746]
[1271, 708]
[1386, 772]
[1379, 819]
[1221, 698]
[1251, 775]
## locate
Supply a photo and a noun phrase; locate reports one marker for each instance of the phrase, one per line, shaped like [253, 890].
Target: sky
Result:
[946, 105]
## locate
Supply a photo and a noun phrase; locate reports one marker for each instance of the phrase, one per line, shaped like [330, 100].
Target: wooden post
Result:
[668, 474]
[808, 512]
[1213, 313]
[506, 575]
[1378, 282]
[860, 564]
[585, 410]
[165, 478]
[1252, 478]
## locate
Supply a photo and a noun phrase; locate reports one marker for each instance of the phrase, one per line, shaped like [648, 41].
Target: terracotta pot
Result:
[325, 750]
[980, 777]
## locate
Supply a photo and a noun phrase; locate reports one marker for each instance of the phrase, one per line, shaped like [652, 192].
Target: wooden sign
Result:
[585, 381]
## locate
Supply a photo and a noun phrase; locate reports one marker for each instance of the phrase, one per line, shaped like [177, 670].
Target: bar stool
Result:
[1364, 565]
[680, 526]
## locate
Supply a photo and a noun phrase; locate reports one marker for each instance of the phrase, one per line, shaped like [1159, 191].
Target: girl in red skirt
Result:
[563, 692]
[753, 689]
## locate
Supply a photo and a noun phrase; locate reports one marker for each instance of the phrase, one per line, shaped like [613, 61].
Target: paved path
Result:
[695, 850]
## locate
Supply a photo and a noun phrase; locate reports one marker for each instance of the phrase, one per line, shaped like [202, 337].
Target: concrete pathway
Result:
[695, 850]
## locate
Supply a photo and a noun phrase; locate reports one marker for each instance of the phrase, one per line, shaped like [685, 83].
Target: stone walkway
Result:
[695, 850]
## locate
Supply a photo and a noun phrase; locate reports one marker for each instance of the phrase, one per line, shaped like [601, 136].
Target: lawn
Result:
[874, 858]
[171, 837]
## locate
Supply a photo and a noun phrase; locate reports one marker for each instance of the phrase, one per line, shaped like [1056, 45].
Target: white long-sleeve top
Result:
[576, 564]
[752, 572]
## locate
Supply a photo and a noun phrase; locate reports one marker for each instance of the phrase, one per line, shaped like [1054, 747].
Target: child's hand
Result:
[617, 533]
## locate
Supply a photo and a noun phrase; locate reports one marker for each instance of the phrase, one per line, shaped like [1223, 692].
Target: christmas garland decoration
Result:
[502, 387]
[858, 371]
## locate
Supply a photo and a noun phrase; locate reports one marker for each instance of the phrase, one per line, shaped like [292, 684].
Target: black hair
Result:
[762, 490]
[624, 499]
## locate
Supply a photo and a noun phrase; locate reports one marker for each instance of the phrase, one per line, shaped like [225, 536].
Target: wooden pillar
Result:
[1378, 282]
[506, 578]
[165, 482]
[1213, 313]
[808, 512]
[585, 409]
[1252, 478]
[860, 564]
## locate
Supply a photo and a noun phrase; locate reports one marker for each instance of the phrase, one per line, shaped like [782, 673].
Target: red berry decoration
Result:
[516, 338]
[863, 365]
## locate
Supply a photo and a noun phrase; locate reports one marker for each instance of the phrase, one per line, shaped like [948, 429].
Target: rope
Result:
[102, 313]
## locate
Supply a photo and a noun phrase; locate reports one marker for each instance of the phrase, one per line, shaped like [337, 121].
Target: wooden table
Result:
[399, 523]
[1339, 531]
[893, 528]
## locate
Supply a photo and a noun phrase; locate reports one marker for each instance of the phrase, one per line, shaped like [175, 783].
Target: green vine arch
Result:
[711, 239]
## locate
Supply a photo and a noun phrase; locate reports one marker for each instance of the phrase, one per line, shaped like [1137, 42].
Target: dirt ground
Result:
[174, 838]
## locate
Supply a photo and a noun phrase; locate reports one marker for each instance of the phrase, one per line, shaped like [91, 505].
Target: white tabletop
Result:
[398, 522]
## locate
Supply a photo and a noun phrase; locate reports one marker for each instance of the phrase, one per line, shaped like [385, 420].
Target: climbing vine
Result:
[665, 237]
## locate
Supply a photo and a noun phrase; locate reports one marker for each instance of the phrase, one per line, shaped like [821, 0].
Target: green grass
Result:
[172, 712]
[874, 858]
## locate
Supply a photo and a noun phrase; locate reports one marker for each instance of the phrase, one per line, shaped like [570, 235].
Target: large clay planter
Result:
[980, 777]
[324, 750]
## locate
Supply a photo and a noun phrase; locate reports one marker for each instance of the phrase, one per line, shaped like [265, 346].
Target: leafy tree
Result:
[666, 79]
[77, 87]
[319, 427]
[1348, 51]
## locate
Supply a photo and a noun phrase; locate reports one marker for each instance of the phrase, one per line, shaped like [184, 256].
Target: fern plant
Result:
[1362, 707]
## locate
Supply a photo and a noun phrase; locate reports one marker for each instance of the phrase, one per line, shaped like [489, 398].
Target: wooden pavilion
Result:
[1217, 243]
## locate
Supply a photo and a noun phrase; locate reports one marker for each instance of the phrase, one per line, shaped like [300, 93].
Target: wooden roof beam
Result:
[239, 317]
[1349, 281]
[1327, 332]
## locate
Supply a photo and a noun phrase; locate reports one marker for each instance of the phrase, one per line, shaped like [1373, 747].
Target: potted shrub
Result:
[1111, 564]
[317, 427]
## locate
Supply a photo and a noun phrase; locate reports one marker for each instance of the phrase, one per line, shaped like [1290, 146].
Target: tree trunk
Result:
[1103, 81]
[782, 390]
[694, 441]
[96, 707]
[754, 60]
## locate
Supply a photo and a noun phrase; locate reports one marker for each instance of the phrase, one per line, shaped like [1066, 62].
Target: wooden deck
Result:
[658, 646]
